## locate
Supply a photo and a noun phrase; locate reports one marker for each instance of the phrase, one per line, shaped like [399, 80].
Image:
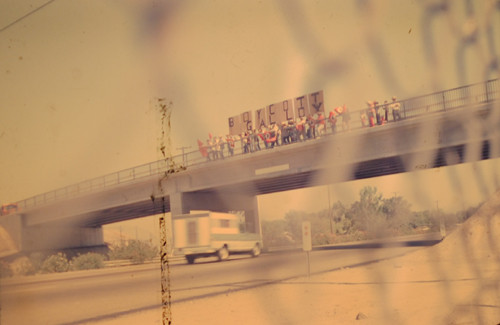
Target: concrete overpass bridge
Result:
[440, 129]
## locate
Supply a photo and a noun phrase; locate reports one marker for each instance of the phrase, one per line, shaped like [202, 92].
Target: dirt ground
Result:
[454, 282]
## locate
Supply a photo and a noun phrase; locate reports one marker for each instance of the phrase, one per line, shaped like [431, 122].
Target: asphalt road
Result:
[74, 297]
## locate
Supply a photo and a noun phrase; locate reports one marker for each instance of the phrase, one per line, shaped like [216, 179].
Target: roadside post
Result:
[442, 228]
[442, 225]
[307, 243]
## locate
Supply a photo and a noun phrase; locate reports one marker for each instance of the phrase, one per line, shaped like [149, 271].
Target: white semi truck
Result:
[204, 234]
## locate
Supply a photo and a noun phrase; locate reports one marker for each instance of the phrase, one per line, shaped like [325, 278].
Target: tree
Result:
[397, 212]
[342, 221]
[367, 213]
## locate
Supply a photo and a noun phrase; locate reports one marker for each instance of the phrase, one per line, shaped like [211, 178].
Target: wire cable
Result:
[26, 15]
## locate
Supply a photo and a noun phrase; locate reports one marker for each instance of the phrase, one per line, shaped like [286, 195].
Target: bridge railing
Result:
[443, 101]
[451, 99]
[129, 175]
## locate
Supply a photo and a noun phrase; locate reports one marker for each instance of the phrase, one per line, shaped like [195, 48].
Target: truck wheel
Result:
[255, 250]
[223, 253]
[190, 259]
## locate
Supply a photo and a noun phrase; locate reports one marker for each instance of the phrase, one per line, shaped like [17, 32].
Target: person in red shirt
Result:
[230, 144]
[332, 118]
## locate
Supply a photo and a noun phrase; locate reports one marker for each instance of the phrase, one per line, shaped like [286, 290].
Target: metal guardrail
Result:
[443, 101]
[124, 176]
[451, 99]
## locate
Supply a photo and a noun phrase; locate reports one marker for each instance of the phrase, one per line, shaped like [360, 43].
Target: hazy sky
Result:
[77, 79]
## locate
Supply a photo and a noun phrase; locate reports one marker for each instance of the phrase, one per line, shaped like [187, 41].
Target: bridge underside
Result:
[236, 196]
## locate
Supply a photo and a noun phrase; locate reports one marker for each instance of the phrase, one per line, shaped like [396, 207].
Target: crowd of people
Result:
[301, 129]
[378, 114]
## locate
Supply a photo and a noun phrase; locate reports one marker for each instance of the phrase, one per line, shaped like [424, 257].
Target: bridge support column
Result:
[181, 203]
[11, 228]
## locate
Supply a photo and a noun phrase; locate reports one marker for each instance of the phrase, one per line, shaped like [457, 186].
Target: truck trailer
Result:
[204, 234]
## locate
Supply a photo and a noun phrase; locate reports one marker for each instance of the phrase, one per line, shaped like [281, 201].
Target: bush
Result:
[27, 265]
[36, 260]
[275, 234]
[134, 250]
[24, 266]
[5, 270]
[87, 261]
[55, 263]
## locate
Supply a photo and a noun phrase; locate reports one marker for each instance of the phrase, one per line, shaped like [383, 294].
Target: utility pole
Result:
[329, 210]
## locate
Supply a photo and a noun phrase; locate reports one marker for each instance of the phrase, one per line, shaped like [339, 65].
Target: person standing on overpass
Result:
[395, 106]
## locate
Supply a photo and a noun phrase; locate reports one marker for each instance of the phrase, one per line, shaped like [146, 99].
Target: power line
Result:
[26, 15]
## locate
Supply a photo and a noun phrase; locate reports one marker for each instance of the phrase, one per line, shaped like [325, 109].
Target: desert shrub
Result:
[36, 260]
[27, 265]
[24, 266]
[323, 238]
[55, 263]
[87, 261]
[134, 250]
[352, 236]
[5, 270]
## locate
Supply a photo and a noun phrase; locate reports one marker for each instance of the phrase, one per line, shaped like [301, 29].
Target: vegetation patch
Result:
[55, 263]
[134, 250]
[370, 217]
[87, 261]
